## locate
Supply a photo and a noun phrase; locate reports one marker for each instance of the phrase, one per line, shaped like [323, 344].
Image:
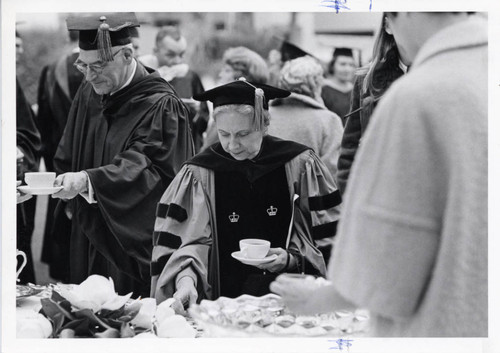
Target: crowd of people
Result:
[374, 177]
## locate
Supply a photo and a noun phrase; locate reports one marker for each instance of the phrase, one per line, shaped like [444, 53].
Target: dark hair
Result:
[167, 31]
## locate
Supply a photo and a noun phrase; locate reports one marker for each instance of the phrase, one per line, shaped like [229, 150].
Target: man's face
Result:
[403, 27]
[110, 77]
[170, 52]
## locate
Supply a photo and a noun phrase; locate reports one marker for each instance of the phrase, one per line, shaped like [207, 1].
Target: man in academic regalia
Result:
[126, 137]
[59, 82]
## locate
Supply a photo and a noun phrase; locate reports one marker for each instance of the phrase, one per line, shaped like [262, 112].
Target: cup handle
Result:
[25, 261]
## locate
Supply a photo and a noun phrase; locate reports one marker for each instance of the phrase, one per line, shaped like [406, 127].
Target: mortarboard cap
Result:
[343, 52]
[290, 51]
[257, 95]
[102, 31]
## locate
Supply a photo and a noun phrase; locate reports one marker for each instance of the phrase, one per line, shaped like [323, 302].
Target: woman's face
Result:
[226, 75]
[237, 136]
[343, 68]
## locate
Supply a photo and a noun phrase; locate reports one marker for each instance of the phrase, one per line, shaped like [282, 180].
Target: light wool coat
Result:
[413, 243]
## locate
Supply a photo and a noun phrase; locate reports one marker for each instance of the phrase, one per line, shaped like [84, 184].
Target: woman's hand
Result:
[299, 294]
[278, 264]
[307, 296]
[185, 295]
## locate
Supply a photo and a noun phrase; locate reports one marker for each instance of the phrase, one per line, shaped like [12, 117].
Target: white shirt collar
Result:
[134, 63]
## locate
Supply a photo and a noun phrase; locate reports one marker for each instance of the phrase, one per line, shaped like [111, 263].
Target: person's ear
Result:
[128, 55]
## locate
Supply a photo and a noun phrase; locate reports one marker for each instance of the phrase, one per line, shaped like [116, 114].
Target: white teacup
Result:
[254, 248]
[23, 264]
[40, 180]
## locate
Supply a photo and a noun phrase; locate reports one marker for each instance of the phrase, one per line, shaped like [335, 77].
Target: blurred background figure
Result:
[168, 60]
[370, 84]
[136, 42]
[28, 158]
[238, 62]
[59, 82]
[277, 58]
[338, 84]
[302, 117]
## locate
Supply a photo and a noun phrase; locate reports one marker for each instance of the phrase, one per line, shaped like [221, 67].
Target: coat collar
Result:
[469, 33]
[295, 98]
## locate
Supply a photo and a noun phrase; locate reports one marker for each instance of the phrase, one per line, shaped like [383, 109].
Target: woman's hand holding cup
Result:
[279, 263]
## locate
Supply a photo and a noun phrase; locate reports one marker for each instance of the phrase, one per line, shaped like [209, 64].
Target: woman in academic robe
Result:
[250, 185]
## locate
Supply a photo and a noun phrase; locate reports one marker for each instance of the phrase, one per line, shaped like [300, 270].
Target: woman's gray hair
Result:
[243, 109]
[246, 63]
[302, 75]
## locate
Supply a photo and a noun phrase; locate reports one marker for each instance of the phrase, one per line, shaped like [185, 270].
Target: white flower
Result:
[95, 293]
[33, 326]
[145, 316]
[164, 310]
[175, 326]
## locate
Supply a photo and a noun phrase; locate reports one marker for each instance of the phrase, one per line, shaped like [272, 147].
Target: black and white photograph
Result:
[289, 177]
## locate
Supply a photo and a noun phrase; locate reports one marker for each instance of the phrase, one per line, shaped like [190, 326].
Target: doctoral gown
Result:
[131, 144]
[191, 240]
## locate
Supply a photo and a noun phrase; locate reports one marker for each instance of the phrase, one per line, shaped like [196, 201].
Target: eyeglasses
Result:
[97, 68]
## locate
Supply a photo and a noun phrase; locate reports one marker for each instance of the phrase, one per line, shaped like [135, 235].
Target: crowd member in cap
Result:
[238, 62]
[370, 84]
[277, 58]
[302, 117]
[413, 242]
[338, 84]
[28, 147]
[59, 82]
[250, 185]
[126, 137]
[168, 60]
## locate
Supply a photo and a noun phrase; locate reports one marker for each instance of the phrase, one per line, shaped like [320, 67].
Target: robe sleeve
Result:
[182, 237]
[317, 208]
[136, 177]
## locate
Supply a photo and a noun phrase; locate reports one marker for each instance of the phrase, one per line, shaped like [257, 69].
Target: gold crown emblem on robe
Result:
[271, 211]
[234, 217]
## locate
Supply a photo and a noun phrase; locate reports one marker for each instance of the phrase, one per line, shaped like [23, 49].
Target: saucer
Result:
[39, 191]
[238, 256]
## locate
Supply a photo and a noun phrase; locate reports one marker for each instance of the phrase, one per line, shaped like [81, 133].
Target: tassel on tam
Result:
[259, 102]
[104, 44]
[104, 41]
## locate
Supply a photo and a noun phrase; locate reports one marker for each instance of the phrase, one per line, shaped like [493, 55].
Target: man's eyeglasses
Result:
[97, 68]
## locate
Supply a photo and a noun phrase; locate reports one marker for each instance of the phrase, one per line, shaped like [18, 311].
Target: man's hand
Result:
[72, 183]
[186, 294]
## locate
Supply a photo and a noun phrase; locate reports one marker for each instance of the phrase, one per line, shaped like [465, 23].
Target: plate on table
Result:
[239, 256]
[39, 191]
